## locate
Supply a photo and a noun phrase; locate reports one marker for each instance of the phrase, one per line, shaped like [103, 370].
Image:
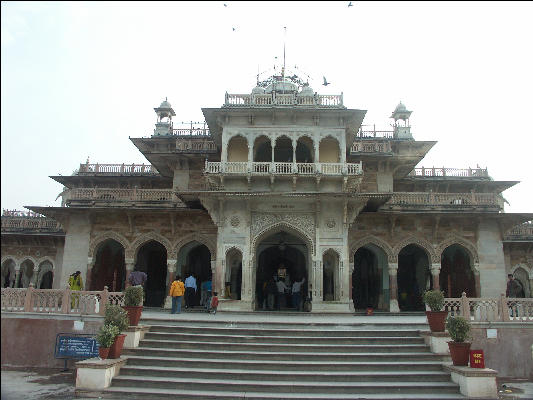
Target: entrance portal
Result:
[456, 274]
[195, 258]
[109, 267]
[413, 278]
[152, 259]
[281, 256]
[366, 280]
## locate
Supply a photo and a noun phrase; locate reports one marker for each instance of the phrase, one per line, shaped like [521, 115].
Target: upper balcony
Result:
[520, 233]
[121, 198]
[284, 99]
[283, 168]
[117, 169]
[431, 201]
[449, 173]
[28, 222]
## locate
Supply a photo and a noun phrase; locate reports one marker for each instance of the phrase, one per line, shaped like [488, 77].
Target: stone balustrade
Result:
[373, 134]
[282, 168]
[195, 146]
[522, 231]
[29, 223]
[120, 195]
[60, 301]
[488, 309]
[383, 147]
[444, 199]
[258, 100]
[450, 172]
[191, 132]
[117, 169]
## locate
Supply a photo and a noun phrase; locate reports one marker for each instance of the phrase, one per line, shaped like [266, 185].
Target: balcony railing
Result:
[60, 301]
[450, 172]
[195, 146]
[26, 223]
[282, 168]
[273, 99]
[191, 132]
[370, 147]
[523, 231]
[490, 309]
[373, 134]
[117, 169]
[444, 199]
[120, 195]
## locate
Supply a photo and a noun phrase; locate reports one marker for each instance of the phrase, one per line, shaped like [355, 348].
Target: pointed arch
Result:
[525, 267]
[277, 227]
[233, 247]
[133, 249]
[423, 243]
[454, 239]
[102, 237]
[198, 237]
[371, 239]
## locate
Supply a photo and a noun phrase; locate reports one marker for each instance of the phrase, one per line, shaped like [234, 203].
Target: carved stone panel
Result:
[302, 222]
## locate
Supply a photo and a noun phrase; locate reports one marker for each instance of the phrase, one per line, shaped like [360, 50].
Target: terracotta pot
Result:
[134, 314]
[460, 352]
[103, 352]
[437, 320]
[116, 348]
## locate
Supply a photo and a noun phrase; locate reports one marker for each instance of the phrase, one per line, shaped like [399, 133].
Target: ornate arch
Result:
[451, 240]
[334, 249]
[198, 237]
[46, 258]
[523, 266]
[30, 258]
[371, 239]
[12, 258]
[42, 271]
[423, 243]
[98, 240]
[233, 247]
[279, 226]
[133, 249]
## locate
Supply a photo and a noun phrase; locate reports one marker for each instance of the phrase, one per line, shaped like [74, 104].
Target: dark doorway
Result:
[413, 278]
[47, 280]
[152, 259]
[109, 268]
[366, 280]
[280, 255]
[456, 274]
[198, 262]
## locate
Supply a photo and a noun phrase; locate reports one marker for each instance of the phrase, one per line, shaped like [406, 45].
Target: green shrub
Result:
[458, 328]
[106, 335]
[133, 296]
[116, 315]
[434, 299]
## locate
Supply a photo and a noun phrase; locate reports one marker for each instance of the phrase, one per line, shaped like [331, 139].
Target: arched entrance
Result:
[8, 273]
[45, 276]
[26, 274]
[195, 258]
[330, 276]
[413, 278]
[370, 280]
[233, 279]
[282, 255]
[456, 275]
[152, 259]
[109, 267]
[521, 275]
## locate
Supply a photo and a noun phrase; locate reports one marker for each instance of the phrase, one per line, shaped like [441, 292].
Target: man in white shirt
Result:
[297, 294]
[282, 288]
[190, 290]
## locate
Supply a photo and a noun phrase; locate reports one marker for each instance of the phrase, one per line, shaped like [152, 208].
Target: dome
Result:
[165, 104]
[258, 90]
[281, 86]
[306, 91]
[400, 108]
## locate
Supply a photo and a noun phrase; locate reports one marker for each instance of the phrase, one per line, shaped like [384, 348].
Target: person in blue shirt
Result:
[190, 290]
[207, 287]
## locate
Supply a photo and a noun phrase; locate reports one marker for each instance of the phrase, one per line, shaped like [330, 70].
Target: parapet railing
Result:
[191, 132]
[183, 145]
[40, 223]
[371, 147]
[117, 169]
[452, 172]
[373, 134]
[523, 230]
[444, 199]
[281, 168]
[165, 195]
[272, 99]
[59, 301]
[487, 309]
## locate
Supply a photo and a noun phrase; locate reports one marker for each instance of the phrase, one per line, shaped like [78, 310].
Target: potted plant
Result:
[105, 338]
[117, 316]
[133, 300]
[434, 299]
[459, 330]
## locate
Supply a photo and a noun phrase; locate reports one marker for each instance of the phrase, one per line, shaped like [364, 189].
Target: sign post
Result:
[75, 346]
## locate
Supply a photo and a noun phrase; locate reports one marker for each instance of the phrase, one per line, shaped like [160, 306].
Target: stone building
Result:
[279, 182]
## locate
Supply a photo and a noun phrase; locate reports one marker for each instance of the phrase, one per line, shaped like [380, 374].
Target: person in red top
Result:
[214, 302]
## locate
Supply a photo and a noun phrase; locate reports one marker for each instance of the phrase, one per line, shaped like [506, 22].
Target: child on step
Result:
[214, 302]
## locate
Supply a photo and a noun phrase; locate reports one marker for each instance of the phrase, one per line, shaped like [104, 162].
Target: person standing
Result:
[177, 289]
[138, 278]
[190, 290]
[297, 294]
[75, 283]
[282, 289]
[514, 287]
[214, 303]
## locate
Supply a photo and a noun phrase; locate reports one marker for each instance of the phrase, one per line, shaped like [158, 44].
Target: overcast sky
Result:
[79, 78]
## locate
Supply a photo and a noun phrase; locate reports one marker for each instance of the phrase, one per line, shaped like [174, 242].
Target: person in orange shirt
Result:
[177, 289]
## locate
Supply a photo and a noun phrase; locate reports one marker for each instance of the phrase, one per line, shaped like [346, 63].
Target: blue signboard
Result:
[73, 345]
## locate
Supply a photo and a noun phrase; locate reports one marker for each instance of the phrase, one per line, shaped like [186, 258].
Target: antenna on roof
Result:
[284, 39]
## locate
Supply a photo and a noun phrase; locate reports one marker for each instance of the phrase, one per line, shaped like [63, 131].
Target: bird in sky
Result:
[234, 29]
[225, 5]
[326, 83]
[349, 4]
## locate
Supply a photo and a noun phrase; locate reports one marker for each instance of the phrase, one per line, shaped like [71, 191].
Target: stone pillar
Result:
[477, 280]
[435, 275]
[129, 269]
[171, 272]
[317, 152]
[34, 277]
[393, 283]
[351, 269]
[17, 277]
[89, 274]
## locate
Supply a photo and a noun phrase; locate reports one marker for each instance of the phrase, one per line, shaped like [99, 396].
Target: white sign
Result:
[492, 333]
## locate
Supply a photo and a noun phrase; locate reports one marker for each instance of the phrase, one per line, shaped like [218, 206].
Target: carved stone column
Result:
[351, 269]
[393, 283]
[171, 272]
[477, 281]
[435, 275]
[34, 277]
[17, 277]
[129, 269]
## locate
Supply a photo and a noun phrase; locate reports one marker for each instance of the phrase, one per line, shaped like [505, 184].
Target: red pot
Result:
[134, 314]
[437, 320]
[103, 352]
[460, 353]
[116, 348]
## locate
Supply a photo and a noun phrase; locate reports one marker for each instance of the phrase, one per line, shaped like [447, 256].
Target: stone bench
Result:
[475, 382]
[97, 374]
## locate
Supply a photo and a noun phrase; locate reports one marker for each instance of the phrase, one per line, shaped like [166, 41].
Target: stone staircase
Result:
[283, 360]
